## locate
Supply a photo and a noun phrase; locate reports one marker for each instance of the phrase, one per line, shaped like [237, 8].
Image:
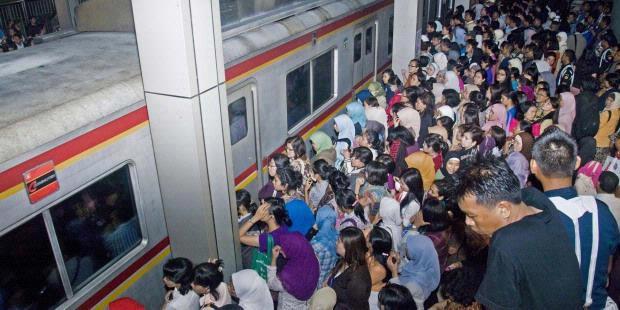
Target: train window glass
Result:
[238, 120]
[298, 95]
[30, 278]
[391, 35]
[357, 47]
[323, 83]
[369, 40]
[97, 226]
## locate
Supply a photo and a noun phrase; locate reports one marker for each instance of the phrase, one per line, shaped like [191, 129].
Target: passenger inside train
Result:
[484, 176]
[451, 185]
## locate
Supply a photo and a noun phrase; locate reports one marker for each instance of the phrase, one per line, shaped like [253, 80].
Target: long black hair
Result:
[345, 199]
[413, 179]
[180, 271]
[436, 214]
[381, 244]
[245, 199]
[210, 275]
[277, 209]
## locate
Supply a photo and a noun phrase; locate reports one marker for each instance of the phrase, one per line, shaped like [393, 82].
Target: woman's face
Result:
[551, 60]
[419, 105]
[433, 191]
[491, 115]
[385, 78]
[478, 79]
[272, 168]
[413, 67]
[609, 101]
[452, 166]
[518, 145]
[403, 186]
[364, 140]
[501, 76]
[277, 184]
[290, 151]
[506, 101]
[530, 114]
[467, 141]
[547, 106]
[199, 289]
[340, 248]
[168, 283]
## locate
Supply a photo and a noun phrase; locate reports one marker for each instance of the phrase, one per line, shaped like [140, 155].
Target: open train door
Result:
[242, 120]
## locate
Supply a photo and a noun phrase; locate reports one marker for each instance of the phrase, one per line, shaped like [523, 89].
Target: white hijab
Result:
[389, 210]
[452, 81]
[252, 290]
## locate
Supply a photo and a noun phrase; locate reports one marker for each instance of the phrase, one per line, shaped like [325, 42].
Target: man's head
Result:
[554, 156]
[607, 182]
[487, 193]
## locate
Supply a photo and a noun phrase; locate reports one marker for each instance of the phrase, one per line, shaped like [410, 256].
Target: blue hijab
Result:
[423, 265]
[300, 215]
[356, 112]
[327, 234]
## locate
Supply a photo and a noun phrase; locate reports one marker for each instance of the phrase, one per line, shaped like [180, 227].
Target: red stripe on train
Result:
[108, 288]
[248, 171]
[13, 176]
[282, 49]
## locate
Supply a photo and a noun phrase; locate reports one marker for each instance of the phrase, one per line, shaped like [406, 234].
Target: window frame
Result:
[390, 45]
[361, 53]
[373, 31]
[247, 129]
[74, 295]
[314, 112]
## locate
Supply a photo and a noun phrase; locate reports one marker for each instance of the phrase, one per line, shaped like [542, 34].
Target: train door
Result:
[364, 50]
[242, 121]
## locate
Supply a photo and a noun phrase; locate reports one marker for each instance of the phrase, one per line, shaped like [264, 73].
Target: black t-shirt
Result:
[531, 263]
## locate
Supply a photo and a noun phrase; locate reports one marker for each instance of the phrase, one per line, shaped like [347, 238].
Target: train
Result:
[83, 219]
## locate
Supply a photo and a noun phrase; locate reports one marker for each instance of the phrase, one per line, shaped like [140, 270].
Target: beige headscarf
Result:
[323, 299]
[616, 104]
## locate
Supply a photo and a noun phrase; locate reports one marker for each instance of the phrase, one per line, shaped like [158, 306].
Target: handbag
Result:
[260, 260]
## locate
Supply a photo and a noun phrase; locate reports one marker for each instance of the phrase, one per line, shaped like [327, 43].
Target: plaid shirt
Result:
[327, 261]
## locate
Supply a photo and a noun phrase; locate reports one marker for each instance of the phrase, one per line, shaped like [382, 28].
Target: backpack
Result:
[260, 260]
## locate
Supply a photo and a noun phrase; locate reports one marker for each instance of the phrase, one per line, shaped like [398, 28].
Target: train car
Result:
[83, 221]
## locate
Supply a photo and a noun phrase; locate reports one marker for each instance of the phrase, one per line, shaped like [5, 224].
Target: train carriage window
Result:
[323, 83]
[238, 120]
[369, 40]
[298, 95]
[391, 35]
[357, 47]
[29, 278]
[97, 226]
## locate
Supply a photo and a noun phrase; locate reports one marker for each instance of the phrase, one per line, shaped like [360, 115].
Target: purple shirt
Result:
[276, 234]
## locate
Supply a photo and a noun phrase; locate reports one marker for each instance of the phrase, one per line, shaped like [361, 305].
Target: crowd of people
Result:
[14, 38]
[483, 176]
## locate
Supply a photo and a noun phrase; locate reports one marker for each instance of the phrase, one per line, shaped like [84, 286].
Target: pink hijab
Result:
[567, 111]
[499, 112]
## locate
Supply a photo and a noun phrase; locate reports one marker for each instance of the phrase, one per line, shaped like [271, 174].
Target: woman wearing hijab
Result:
[567, 111]
[252, 290]
[376, 114]
[496, 116]
[355, 110]
[609, 119]
[322, 146]
[376, 89]
[523, 143]
[297, 279]
[424, 163]
[452, 81]
[420, 271]
[562, 42]
[451, 165]
[410, 119]
[391, 220]
[324, 242]
[346, 136]
[520, 167]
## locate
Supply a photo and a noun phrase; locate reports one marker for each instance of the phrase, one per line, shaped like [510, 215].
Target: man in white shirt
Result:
[607, 184]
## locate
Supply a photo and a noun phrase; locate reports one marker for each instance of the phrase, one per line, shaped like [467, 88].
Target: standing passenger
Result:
[251, 290]
[530, 264]
[178, 276]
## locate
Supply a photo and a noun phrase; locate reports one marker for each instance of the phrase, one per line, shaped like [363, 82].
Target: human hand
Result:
[261, 212]
[392, 262]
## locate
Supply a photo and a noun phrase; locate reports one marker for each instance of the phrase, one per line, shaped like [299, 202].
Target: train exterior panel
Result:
[121, 144]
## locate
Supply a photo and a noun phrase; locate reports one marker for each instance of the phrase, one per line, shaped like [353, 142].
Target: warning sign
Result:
[41, 181]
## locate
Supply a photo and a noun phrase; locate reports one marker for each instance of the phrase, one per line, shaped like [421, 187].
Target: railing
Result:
[21, 11]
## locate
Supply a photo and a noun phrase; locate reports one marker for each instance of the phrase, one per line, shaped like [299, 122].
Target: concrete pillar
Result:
[405, 30]
[180, 49]
[615, 20]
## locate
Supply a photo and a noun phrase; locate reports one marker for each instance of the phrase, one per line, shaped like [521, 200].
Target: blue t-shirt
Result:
[609, 239]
